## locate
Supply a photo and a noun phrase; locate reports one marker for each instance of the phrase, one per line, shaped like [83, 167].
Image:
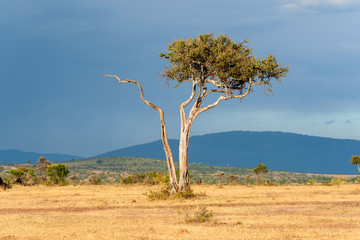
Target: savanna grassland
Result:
[125, 212]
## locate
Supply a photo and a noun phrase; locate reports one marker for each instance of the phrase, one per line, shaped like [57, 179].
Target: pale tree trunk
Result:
[186, 124]
[183, 157]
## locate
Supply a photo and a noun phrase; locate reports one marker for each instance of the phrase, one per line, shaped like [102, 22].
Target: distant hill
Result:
[278, 150]
[16, 156]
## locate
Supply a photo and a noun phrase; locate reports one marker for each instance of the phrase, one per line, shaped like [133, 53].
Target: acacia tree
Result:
[213, 65]
[260, 170]
[355, 160]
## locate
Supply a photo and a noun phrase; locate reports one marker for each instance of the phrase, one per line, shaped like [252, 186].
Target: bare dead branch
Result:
[164, 138]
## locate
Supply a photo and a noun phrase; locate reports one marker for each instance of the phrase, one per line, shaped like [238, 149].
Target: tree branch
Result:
[184, 104]
[222, 97]
[164, 137]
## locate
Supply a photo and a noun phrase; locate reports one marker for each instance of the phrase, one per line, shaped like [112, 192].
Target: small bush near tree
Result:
[199, 215]
[57, 173]
[165, 193]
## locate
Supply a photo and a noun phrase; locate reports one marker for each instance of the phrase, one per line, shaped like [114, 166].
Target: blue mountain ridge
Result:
[16, 156]
[278, 150]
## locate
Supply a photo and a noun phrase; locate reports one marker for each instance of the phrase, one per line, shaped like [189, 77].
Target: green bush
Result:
[57, 173]
[24, 174]
[337, 181]
[311, 182]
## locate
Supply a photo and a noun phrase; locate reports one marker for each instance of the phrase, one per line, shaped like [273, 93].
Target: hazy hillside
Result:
[16, 156]
[279, 151]
[112, 169]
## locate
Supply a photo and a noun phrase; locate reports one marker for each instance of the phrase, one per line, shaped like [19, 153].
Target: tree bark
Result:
[183, 157]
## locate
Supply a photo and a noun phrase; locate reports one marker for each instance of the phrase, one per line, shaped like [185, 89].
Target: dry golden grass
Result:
[124, 212]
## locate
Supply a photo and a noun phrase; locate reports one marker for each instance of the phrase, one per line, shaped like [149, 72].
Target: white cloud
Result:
[313, 6]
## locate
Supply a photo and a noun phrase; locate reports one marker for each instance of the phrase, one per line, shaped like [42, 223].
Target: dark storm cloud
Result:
[54, 55]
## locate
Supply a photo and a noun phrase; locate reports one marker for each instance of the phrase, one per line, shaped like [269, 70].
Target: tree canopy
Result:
[228, 65]
[260, 169]
[355, 160]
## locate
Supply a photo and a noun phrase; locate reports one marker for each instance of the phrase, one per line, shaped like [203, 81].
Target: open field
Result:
[124, 212]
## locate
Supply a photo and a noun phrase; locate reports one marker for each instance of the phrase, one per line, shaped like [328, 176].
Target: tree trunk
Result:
[183, 157]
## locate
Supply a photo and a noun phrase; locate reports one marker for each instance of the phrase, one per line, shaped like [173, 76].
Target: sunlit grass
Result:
[124, 212]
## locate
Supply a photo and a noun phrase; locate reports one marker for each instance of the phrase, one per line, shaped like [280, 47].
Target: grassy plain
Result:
[124, 212]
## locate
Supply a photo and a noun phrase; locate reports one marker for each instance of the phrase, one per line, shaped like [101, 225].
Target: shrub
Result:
[24, 175]
[43, 164]
[311, 182]
[150, 178]
[200, 215]
[219, 174]
[74, 180]
[165, 193]
[260, 170]
[337, 181]
[57, 173]
[94, 179]
[357, 181]
[232, 178]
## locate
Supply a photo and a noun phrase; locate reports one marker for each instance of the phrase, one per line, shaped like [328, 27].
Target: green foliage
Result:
[25, 174]
[221, 59]
[57, 173]
[355, 160]
[337, 181]
[357, 181]
[311, 182]
[199, 215]
[260, 169]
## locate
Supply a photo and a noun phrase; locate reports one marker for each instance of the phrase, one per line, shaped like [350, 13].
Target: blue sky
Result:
[53, 54]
